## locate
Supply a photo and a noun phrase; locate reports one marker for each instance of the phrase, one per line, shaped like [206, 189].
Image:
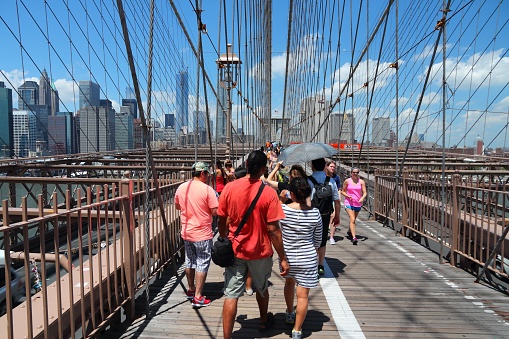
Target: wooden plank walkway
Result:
[394, 288]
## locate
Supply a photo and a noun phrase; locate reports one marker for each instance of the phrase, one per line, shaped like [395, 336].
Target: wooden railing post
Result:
[375, 193]
[126, 191]
[455, 217]
[404, 203]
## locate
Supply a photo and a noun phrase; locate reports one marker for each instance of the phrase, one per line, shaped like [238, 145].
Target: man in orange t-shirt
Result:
[253, 246]
[197, 203]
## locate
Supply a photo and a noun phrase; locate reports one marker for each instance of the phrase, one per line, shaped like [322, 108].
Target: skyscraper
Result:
[97, 128]
[169, 120]
[314, 111]
[28, 95]
[124, 130]
[6, 123]
[381, 130]
[44, 89]
[133, 107]
[57, 128]
[48, 94]
[24, 131]
[130, 101]
[181, 118]
[89, 94]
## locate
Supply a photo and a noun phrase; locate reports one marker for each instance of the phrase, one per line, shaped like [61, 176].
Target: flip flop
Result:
[264, 326]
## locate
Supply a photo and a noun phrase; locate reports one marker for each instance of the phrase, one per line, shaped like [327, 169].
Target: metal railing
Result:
[82, 259]
[470, 222]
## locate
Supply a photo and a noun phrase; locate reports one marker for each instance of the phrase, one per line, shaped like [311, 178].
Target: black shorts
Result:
[325, 229]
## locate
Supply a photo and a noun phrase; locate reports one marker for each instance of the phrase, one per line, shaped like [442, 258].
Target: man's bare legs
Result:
[195, 285]
[229, 314]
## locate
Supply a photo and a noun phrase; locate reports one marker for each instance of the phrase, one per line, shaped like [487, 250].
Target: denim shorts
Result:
[198, 254]
[353, 208]
[235, 276]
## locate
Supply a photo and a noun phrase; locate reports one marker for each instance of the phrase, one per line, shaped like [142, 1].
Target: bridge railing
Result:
[463, 218]
[87, 265]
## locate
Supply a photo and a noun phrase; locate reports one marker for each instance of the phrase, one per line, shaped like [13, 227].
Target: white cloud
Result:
[68, 93]
[430, 98]
[13, 79]
[279, 65]
[502, 105]
[401, 102]
[489, 69]
[365, 70]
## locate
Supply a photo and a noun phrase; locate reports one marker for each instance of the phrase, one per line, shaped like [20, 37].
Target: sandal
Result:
[264, 326]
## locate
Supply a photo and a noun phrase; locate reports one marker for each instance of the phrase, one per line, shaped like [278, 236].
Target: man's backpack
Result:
[322, 199]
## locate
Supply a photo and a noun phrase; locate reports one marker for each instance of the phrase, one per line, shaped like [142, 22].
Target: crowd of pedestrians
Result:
[296, 215]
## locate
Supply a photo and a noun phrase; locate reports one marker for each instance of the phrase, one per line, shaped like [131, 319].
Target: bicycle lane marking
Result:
[345, 320]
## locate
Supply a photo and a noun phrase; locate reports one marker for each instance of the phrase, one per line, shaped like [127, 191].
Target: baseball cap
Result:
[200, 167]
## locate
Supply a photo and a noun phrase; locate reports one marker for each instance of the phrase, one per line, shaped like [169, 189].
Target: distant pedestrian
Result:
[282, 186]
[220, 177]
[327, 205]
[197, 203]
[330, 171]
[253, 246]
[354, 191]
[229, 171]
[302, 235]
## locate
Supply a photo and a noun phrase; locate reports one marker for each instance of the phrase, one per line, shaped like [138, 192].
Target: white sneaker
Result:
[332, 241]
[249, 292]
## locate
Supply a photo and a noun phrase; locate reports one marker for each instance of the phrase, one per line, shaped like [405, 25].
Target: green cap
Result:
[200, 167]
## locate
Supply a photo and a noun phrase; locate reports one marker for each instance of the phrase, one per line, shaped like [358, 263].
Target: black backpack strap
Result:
[313, 180]
[249, 210]
[327, 179]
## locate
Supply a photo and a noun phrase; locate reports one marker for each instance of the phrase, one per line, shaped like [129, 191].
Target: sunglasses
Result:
[355, 172]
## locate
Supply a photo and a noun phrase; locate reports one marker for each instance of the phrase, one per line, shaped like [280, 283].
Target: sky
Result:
[477, 60]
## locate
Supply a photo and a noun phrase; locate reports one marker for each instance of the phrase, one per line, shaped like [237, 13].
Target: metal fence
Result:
[81, 260]
[465, 214]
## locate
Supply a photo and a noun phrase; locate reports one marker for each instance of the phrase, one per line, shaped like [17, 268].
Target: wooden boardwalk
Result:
[385, 287]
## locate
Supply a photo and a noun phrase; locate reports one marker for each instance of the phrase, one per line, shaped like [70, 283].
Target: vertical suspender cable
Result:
[444, 101]
[198, 10]
[397, 108]
[285, 139]
[146, 137]
[149, 163]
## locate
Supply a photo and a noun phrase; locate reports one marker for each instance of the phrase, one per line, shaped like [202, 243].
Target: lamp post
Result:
[226, 64]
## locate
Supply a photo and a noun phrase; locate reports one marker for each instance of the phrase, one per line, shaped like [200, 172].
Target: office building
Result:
[89, 94]
[58, 131]
[124, 129]
[24, 133]
[381, 131]
[314, 119]
[182, 107]
[97, 128]
[6, 123]
[28, 95]
[48, 94]
[138, 134]
[169, 120]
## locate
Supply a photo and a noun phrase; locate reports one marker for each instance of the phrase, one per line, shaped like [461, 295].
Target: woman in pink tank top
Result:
[354, 191]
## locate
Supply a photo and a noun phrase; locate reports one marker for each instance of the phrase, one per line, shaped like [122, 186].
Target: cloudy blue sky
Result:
[477, 63]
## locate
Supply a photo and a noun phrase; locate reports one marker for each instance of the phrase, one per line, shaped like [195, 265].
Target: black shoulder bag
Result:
[222, 250]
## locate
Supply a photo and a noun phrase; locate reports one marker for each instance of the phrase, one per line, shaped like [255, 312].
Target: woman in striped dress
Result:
[302, 235]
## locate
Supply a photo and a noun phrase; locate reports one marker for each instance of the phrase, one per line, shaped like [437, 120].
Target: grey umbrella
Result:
[300, 153]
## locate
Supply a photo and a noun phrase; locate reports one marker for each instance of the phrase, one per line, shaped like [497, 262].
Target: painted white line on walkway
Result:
[345, 320]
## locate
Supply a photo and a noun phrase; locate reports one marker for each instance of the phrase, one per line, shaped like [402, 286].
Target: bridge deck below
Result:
[386, 286]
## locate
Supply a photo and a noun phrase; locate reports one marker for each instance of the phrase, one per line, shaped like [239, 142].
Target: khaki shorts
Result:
[235, 276]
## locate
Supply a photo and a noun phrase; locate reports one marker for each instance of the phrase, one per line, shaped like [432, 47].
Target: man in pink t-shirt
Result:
[197, 203]
[253, 246]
